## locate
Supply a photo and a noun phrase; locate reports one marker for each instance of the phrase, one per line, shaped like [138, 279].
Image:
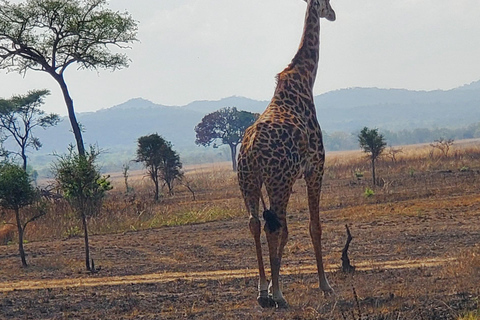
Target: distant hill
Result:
[117, 129]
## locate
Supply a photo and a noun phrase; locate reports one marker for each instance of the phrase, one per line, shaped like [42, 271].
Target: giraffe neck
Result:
[306, 59]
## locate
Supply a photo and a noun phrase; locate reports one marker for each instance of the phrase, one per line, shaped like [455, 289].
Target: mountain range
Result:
[117, 129]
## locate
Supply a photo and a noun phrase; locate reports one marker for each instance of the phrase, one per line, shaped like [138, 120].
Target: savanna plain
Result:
[416, 247]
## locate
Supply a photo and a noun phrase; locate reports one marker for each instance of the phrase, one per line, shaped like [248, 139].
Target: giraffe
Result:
[283, 145]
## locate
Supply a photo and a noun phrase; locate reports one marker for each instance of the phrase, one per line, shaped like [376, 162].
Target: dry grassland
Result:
[416, 247]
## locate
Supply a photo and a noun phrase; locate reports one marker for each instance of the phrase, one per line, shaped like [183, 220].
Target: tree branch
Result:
[41, 214]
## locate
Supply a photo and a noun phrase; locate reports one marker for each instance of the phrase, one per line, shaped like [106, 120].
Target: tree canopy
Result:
[16, 190]
[21, 114]
[160, 160]
[225, 126]
[50, 35]
[372, 143]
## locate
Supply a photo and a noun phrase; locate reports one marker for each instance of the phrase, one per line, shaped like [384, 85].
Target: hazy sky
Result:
[209, 49]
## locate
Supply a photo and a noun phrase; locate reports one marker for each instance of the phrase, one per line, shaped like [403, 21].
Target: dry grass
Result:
[7, 233]
[415, 174]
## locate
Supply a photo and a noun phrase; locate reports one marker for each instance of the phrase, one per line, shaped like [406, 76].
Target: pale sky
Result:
[210, 49]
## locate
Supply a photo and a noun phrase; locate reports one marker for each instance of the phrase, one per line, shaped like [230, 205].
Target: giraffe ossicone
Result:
[285, 144]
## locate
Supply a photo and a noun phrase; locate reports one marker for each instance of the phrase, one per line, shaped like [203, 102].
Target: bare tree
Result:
[125, 170]
[392, 153]
[443, 145]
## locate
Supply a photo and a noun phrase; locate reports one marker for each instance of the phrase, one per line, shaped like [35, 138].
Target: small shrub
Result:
[472, 315]
[411, 172]
[464, 169]
[368, 192]
[72, 232]
[358, 174]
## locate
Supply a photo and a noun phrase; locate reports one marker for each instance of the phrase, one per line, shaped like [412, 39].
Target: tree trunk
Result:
[24, 158]
[127, 189]
[71, 113]
[170, 187]
[373, 172]
[233, 151]
[87, 247]
[80, 147]
[20, 238]
[155, 180]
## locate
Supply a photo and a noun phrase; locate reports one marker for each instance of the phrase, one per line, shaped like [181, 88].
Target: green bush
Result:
[368, 192]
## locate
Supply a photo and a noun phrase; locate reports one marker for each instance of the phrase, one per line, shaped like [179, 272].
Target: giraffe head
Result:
[324, 9]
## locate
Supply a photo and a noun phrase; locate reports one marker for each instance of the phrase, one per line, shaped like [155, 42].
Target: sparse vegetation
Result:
[429, 217]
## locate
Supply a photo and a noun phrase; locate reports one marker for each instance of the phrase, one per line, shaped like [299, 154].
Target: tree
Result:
[17, 192]
[226, 125]
[442, 145]
[50, 35]
[125, 169]
[83, 186]
[392, 153]
[160, 160]
[20, 115]
[373, 143]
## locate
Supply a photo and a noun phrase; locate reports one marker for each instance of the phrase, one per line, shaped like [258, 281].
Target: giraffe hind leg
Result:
[276, 240]
[263, 299]
[251, 201]
[314, 183]
[272, 225]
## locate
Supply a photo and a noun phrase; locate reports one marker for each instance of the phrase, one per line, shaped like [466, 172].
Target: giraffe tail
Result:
[271, 220]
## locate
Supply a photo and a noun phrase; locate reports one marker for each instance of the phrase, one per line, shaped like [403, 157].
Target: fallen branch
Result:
[346, 266]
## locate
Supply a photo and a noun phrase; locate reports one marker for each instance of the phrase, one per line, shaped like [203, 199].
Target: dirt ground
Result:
[415, 259]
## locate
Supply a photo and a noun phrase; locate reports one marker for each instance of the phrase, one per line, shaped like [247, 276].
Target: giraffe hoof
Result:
[281, 304]
[266, 301]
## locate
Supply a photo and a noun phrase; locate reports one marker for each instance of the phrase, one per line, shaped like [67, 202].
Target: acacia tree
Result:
[17, 192]
[20, 115]
[372, 143]
[83, 186]
[51, 35]
[226, 126]
[160, 160]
